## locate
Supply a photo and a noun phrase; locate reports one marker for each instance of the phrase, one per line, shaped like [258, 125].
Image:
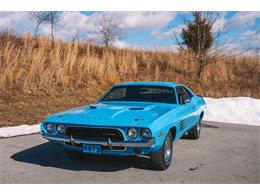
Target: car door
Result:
[186, 114]
[194, 116]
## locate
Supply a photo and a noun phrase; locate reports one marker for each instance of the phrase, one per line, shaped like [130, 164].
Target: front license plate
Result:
[92, 149]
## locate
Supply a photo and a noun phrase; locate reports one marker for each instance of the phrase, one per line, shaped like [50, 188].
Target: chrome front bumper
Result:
[108, 143]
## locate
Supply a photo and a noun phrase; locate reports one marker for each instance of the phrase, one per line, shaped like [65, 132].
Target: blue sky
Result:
[142, 29]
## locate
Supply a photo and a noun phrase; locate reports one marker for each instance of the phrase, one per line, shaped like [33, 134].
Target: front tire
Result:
[73, 155]
[194, 133]
[161, 160]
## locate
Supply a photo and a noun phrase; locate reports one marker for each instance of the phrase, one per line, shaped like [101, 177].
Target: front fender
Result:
[160, 129]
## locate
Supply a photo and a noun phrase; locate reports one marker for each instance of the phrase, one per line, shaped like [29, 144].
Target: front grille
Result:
[100, 134]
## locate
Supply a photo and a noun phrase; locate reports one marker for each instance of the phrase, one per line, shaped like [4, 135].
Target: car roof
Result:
[164, 84]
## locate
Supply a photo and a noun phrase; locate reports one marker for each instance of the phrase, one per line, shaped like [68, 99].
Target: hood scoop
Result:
[92, 107]
[136, 108]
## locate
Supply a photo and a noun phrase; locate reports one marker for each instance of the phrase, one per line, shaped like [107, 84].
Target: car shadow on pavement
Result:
[203, 125]
[209, 126]
[51, 155]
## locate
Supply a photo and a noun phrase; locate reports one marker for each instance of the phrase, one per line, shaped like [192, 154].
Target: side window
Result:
[181, 94]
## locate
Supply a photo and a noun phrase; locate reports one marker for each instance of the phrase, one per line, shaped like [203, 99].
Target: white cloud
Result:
[120, 44]
[170, 48]
[232, 48]
[248, 43]
[174, 31]
[17, 21]
[127, 20]
[70, 24]
[252, 34]
[243, 19]
[168, 34]
[175, 48]
[152, 20]
[219, 25]
[76, 21]
[156, 33]
[250, 40]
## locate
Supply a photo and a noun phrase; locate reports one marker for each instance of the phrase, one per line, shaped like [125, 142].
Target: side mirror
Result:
[186, 99]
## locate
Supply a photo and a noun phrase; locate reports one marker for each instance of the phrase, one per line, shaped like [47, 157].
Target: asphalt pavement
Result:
[225, 153]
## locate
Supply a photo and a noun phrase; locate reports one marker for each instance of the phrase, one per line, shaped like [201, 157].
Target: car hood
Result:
[113, 114]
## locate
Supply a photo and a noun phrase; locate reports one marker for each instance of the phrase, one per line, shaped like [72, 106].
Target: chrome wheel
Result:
[195, 131]
[198, 128]
[167, 149]
[161, 159]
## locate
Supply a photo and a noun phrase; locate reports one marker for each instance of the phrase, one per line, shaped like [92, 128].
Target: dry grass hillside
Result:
[38, 77]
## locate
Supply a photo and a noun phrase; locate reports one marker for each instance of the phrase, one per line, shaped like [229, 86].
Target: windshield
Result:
[141, 94]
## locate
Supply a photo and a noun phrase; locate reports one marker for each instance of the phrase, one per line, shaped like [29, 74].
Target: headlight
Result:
[60, 128]
[132, 133]
[50, 127]
[145, 133]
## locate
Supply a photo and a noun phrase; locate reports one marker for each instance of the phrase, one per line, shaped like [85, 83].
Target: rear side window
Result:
[181, 93]
[190, 94]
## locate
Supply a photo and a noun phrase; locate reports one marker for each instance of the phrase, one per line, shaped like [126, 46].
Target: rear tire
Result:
[194, 133]
[161, 159]
[73, 155]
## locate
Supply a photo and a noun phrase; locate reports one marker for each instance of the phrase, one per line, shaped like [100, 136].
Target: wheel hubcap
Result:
[167, 149]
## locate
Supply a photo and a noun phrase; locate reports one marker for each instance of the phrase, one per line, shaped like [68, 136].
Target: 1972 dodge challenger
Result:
[136, 118]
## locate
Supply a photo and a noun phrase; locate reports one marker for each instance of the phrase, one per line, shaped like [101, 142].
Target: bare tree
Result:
[52, 18]
[109, 29]
[37, 18]
[199, 40]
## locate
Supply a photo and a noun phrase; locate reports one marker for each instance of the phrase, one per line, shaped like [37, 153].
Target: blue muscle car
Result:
[136, 118]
